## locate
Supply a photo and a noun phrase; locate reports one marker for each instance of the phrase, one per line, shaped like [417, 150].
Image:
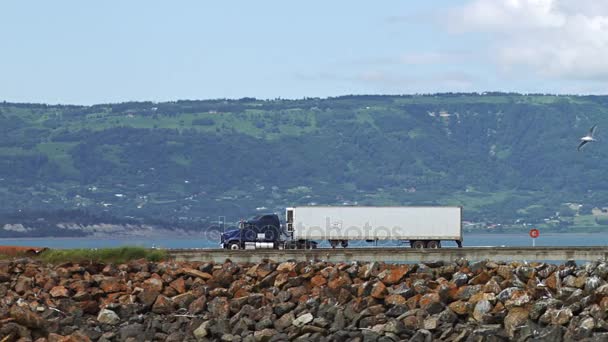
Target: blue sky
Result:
[112, 51]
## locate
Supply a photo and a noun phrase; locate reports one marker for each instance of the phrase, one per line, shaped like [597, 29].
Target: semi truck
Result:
[305, 226]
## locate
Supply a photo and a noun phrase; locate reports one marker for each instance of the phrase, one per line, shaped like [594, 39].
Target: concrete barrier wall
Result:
[397, 255]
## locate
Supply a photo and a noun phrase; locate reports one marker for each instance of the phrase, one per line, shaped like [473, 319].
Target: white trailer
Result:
[423, 227]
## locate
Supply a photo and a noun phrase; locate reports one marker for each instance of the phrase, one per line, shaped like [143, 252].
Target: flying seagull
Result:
[587, 138]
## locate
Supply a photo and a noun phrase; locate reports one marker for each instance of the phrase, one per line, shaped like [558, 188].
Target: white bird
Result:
[587, 138]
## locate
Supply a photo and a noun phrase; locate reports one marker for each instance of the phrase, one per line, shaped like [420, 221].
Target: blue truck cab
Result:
[261, 231]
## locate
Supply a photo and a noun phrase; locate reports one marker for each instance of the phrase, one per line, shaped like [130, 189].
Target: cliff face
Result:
[306, 301]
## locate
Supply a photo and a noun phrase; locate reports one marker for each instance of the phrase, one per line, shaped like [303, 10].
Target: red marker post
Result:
[534, 233]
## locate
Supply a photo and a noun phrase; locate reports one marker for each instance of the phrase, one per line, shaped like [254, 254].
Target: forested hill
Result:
[505, 158]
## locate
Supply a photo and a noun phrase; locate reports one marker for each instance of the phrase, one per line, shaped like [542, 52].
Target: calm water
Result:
[470, 240]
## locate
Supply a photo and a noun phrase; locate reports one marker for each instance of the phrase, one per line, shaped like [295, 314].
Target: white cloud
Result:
[551, 38]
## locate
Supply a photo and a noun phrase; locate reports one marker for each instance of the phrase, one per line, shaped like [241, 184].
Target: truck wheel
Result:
[234, 246]
[418, 244]
[433, 244]
[333, 243]
[344, 243]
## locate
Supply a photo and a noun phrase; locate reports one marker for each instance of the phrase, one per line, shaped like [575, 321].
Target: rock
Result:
[422, 335]
[460, 307]
[482, 308]
[219, 307]
[378, 290]
[27, 318]
[108, 317]
[112, 284]
[197, 274]
[318, 280]
[556, 316]
[153, 284]
[285, 321]
[135, 330]
[525, 272]
[302, 320]
[430, 323]
[465, 292]
[481, 279]
[264, 335]
[339, 282]
[183, 300]
[539, 307]
[286, 267]
[23, 285]
[460, 279]
[394, 299]
[179, 285]
[431, 303]
[281, 279]
[516, 317]
[202, 331]
[163, 305]
[394, 275]
[59, 292]
[198, 305]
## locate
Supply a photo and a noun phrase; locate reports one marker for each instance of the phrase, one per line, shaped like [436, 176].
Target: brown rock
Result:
[431, 302]
[89, 306]
[460, 307]
[219, 307]
[26, 317]
[491, 297]
[344, 296]
[480, 279]
[198, 305]
[112, 284]
[59, 292]
[153, 284]
[465, 292]
[281, 279]
[395, 299]
[506, 272]
[379, 290]
[393, 275]
[163, 305]
[492, 286]
[412, 322]
[297, 293]
[518, 298]
[516, 317]
[339, 282]
[148, 297]
[553, 282]
[318, 280]
[286, 267]
[23, 285]
[183, 300]
[197, 274]
[556, 316]
[412, 302]
[263, 270]
[179, 285]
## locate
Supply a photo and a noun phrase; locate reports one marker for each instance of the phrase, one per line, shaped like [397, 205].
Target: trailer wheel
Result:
[344, 243]
[433, 244]
[333, 243]
[418, 244]
[234, 246]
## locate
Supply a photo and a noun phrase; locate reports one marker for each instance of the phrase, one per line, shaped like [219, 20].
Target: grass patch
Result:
[106, 255]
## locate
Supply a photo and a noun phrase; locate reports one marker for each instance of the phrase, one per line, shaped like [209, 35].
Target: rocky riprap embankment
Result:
[303, 301]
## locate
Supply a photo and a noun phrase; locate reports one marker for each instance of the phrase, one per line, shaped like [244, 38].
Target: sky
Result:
[75, 52]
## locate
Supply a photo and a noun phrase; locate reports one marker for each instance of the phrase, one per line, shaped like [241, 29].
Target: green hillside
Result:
[508, 159]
